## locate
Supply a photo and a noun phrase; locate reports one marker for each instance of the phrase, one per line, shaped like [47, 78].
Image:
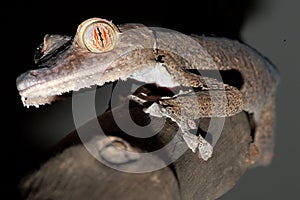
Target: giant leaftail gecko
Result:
[102, 52]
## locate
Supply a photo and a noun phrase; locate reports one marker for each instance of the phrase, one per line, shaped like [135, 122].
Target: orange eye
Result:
[98, 35]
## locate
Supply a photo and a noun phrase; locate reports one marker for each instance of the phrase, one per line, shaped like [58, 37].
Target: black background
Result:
[30, 132]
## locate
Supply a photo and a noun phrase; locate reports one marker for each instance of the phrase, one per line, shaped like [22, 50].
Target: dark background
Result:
[271, 26]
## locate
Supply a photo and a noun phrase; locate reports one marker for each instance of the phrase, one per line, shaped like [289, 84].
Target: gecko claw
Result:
[205, 150]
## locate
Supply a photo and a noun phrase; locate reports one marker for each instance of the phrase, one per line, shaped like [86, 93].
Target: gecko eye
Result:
[97, 35]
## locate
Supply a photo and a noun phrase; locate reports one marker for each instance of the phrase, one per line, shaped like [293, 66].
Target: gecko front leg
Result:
[185, 108]
[205, 149]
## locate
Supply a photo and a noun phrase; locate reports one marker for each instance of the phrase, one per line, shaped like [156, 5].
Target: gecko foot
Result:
[205, 149]
[193, 142]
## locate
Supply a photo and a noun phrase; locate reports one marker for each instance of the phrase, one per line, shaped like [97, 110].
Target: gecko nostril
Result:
[34, 72]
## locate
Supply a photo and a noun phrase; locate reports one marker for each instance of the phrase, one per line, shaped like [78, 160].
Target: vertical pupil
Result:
[100, 36]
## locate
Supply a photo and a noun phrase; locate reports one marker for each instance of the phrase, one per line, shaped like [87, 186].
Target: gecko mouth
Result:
[34, 90]
[28, 80]
[26, 87]
[153, 93]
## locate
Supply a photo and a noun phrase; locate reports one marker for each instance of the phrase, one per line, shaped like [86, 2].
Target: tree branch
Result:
[72, 173]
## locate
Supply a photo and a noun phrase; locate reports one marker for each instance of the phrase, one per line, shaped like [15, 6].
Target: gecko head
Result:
[91, 57]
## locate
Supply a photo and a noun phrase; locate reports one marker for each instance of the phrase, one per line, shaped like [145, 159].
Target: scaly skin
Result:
[164, 57]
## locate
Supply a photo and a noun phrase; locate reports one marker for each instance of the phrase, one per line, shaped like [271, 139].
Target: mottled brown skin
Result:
[261, 79]
[140, 48]
[185, 103]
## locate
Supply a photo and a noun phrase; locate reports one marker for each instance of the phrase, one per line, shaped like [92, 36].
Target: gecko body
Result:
[101, 52]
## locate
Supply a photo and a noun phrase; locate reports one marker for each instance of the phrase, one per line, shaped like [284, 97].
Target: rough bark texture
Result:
[72, 173]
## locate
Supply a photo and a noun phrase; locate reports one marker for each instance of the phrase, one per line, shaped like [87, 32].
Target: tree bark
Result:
[73, 173]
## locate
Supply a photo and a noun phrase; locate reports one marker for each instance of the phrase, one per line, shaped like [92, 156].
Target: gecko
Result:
[102, 52]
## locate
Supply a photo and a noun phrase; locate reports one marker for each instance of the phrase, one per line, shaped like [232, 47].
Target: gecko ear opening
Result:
[97, 35]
